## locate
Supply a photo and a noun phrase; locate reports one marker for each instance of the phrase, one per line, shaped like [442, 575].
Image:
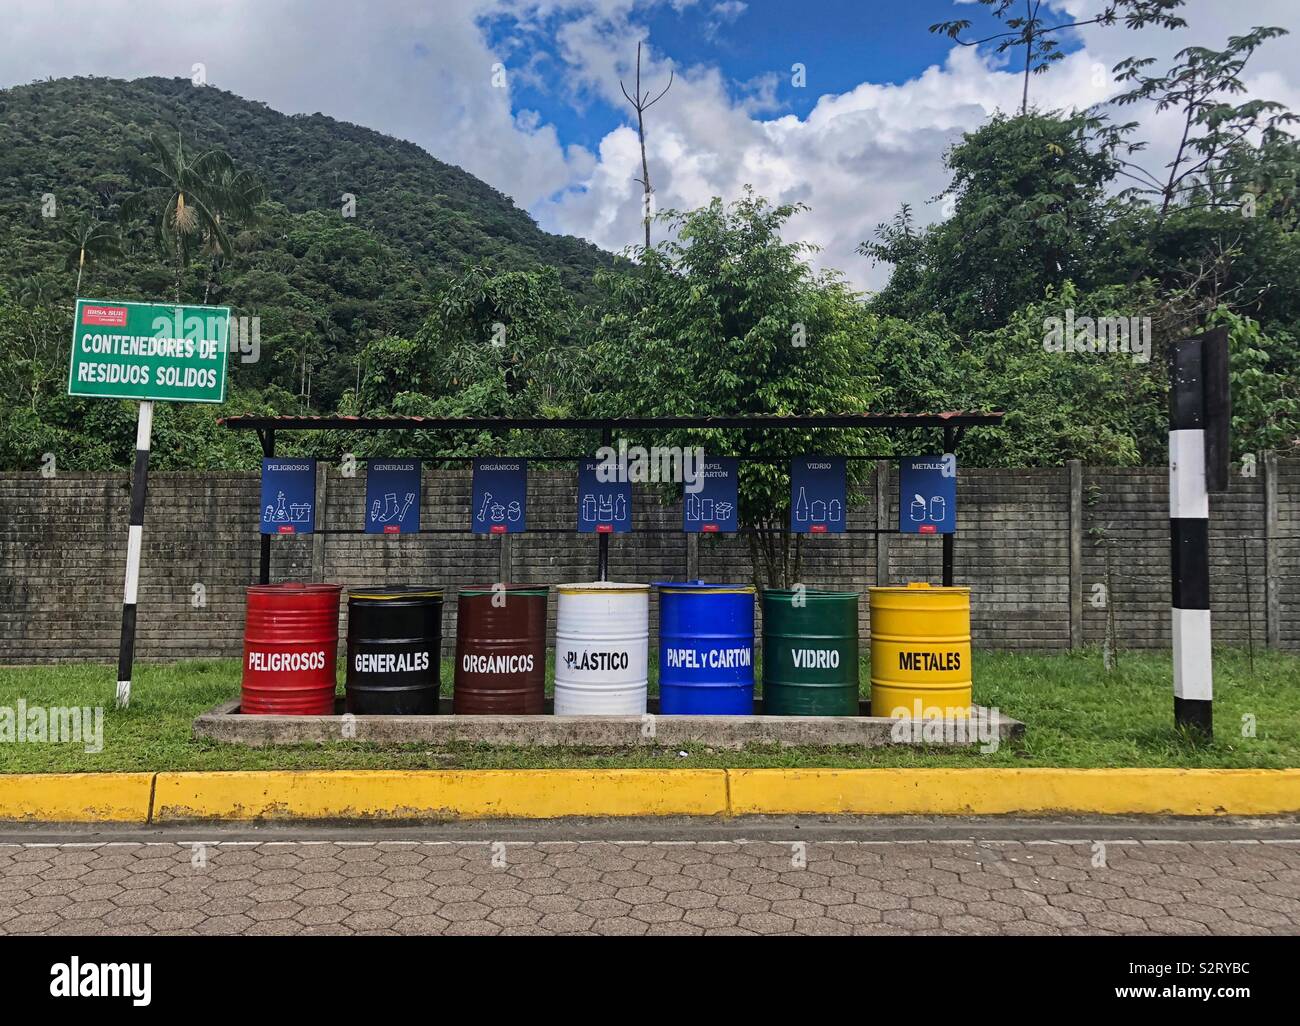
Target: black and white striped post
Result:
[135, 540]
[1198, 408]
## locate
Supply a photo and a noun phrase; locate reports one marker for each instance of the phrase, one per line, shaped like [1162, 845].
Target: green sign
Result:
[143, 351]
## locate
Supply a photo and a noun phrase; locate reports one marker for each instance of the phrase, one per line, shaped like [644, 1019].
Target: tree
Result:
[33, 341]
[641, 102]
[237, 195]
[728, 318]
[1041, 42]
[1197, 86]
[89, 240]
[1030, 210]
[186, 196]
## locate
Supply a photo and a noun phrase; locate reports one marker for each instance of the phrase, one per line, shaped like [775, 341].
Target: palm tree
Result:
[237, 195]
[89, 240]
[187, 196]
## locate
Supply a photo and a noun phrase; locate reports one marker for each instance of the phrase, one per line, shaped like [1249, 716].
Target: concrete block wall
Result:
[62, 554]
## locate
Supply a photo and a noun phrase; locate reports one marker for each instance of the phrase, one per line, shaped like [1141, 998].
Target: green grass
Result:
[1075, 715]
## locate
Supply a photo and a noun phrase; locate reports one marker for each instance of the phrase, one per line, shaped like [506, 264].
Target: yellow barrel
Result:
[920, 651]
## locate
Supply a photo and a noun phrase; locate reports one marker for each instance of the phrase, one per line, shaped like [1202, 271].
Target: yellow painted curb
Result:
[544, 794]
[76, 797]
[441, 794]
[981, 792]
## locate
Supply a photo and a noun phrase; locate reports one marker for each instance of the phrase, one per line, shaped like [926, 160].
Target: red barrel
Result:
[501, 650]
[291, 641]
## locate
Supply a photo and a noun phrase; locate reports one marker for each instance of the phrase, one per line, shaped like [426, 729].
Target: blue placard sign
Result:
[392, 496]
[716, 506]
[288, 496]
[499, 504]
[604, 507]
[927, 494]
[818, 495]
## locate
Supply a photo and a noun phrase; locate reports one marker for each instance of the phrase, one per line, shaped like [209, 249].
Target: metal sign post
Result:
[135, 541]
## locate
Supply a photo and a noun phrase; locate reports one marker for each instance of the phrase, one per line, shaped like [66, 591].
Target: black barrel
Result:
[394, 649]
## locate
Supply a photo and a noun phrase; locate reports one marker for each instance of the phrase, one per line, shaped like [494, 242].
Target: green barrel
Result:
[810, 652]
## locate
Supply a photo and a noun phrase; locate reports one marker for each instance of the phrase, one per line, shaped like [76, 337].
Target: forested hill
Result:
[314, 277]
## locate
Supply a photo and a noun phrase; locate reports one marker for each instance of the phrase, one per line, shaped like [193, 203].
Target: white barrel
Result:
[602, 638]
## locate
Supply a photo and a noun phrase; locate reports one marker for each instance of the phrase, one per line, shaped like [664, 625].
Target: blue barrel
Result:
[706, 649]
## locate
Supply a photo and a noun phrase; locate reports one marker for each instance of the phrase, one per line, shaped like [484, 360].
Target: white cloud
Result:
[422, 71]
[858, 155]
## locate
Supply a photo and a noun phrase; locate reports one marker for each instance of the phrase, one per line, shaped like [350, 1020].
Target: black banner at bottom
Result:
[253, 975]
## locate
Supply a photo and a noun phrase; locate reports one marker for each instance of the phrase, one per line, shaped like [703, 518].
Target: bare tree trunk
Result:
[76, 292]
[641, 103]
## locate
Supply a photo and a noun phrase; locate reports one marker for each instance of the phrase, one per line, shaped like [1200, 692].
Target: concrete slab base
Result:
[226, 723]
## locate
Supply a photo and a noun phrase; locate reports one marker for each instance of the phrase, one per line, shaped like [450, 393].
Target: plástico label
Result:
[596, 662]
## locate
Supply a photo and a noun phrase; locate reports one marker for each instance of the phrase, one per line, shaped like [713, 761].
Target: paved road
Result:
[860, 877]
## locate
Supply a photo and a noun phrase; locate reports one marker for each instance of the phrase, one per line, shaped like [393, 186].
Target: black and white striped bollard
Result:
[135, 539]
[1199, 412]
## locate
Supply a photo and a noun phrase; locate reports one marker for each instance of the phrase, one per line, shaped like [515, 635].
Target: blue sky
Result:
[884, 99]
[841, 42]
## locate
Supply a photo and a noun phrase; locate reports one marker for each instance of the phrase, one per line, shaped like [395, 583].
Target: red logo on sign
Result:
[106, 316]
[392, 529]
[497, 529]
[709, 528]
[604, 528]
[817, 529]
[927, 529]
[286, 529]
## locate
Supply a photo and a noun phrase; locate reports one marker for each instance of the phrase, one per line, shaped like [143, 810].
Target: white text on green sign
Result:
[148, 351]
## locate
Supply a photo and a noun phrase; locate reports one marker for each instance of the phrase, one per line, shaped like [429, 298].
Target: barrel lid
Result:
[511, 589]
[704, 588]
[295, 588]
[398, 592]
[599, 587]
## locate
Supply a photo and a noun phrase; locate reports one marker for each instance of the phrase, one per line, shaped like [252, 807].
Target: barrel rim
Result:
[511, 589]
[393, 594]
[812, 592]
[601, 588]
[295, 588]
[700, 588]
[903, 589]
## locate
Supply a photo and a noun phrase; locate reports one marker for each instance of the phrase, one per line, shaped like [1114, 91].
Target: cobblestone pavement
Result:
[652, 887]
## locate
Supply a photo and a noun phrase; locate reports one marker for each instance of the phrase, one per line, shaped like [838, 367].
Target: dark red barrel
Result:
[501, 650]
[291, 641]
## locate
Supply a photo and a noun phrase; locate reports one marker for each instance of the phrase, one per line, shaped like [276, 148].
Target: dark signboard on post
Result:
[499, 503]
[604, 507]
[927, 494]
[818, 495]
[392, 496]
[288, 496]
[716, 506]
